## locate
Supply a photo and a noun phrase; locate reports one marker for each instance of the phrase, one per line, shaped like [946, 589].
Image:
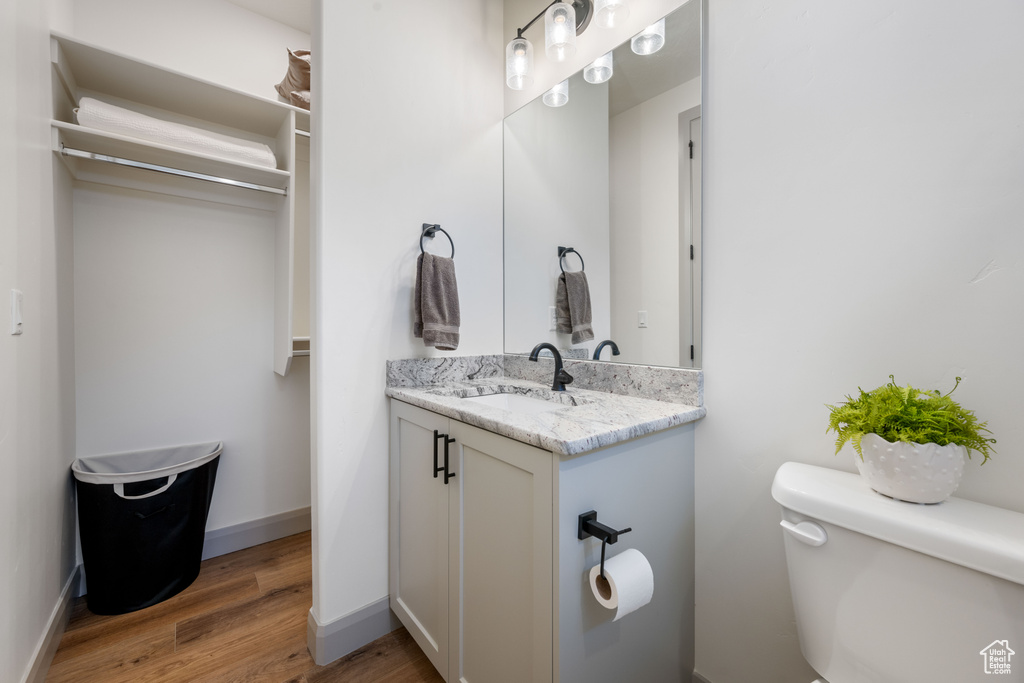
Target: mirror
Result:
[610, 175]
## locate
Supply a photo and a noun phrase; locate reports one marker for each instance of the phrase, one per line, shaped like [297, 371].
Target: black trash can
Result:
[142, 520]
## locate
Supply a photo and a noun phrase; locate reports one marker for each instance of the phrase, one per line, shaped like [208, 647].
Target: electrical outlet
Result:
[641, 318]
[552, 323]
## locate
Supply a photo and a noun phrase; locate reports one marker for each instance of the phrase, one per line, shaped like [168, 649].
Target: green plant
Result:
[908, 414]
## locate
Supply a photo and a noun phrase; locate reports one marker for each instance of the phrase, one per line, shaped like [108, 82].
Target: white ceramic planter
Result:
[914, 472]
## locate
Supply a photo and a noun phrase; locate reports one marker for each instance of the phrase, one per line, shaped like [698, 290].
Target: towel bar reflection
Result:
[131, 163]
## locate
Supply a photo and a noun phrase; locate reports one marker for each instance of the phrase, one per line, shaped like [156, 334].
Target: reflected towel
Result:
[572, 306]
[437, 302]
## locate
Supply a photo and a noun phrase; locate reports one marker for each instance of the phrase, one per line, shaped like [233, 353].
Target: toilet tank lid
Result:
[981, 537]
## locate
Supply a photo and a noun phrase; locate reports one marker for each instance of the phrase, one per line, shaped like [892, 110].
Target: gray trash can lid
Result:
[125, 468]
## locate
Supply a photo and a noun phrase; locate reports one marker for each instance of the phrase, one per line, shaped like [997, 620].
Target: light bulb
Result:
[610, 13]
[600, 70]
[650, 40]
[560, 31]
[519, 64]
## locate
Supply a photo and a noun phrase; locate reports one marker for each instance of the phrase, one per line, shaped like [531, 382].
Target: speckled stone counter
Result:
[591, 419]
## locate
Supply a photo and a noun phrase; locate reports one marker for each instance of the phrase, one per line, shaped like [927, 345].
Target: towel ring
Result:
[562, 251]
[429, 230]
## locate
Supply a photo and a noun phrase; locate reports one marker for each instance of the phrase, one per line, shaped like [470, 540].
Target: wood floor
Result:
[244, 619]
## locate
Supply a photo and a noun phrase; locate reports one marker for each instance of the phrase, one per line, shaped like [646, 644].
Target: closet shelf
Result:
[72, 136]
[83, 66]
[80, 69]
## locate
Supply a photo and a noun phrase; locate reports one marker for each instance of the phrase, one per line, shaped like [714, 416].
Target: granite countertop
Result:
[589, 420]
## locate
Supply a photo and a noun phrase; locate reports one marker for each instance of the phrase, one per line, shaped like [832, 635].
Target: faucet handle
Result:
[564, 377]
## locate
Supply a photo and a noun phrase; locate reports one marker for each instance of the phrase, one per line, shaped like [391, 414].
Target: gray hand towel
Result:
[437, 302]
[572, 306]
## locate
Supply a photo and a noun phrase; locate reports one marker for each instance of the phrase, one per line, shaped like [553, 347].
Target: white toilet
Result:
[894, 592]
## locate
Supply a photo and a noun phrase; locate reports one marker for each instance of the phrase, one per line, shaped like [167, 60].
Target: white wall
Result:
[645, 154]
[556, 188]
[591, 44]
[408, 135]
[209, 39]
[174, 297]
[863, 207]
[37, 412]
[174, 316]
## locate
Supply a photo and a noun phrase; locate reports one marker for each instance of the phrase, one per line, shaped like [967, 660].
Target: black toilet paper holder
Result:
[587, 526]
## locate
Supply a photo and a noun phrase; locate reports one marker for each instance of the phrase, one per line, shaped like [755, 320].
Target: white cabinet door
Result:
[501, 560]
[419, 543]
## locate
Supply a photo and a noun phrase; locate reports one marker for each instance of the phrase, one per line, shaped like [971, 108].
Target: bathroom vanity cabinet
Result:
[471, 558]
[487, 572]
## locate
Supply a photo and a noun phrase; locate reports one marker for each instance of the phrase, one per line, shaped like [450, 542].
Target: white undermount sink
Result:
[516, 403]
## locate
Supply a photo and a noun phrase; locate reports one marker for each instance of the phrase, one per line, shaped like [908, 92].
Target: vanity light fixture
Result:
[559, 39]
[650, 40]
[519, 63]
[560, 31]
[558, 95]
[610, 13]
[599, 70]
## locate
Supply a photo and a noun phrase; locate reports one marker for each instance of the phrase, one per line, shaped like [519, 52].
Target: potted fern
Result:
[911, 442]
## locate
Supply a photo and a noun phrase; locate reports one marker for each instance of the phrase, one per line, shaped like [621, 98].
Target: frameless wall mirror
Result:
[614, 173]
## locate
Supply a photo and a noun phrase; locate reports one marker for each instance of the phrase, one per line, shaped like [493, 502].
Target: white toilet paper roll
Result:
[628, 582]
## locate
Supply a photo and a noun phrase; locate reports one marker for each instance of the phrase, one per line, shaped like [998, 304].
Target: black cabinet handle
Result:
[443, 468]
[437, 436]
[447, 475]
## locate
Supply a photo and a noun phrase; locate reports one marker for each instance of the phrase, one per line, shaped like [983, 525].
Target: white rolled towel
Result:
[93, 113]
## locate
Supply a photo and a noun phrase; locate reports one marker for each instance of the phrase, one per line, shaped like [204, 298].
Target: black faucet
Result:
[600, 347]
[561, 376]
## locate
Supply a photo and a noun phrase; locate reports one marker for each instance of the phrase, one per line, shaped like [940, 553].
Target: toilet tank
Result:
[894, 592]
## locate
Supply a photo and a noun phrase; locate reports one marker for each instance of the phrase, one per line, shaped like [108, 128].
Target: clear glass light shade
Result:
[560, 31]
[610, 13]
[600, 70]
[558, 95]
[519, 64]
[650, 40]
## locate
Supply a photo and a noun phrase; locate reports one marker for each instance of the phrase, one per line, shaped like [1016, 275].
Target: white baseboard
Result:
[328, 642]
[58, 623]
[240, 536]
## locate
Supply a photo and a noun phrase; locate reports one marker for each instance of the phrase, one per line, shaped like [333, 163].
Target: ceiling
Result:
[295, 13]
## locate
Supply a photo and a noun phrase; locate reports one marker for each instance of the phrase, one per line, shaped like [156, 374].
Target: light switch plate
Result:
[16, 301]
[552, 323]
[641, 318]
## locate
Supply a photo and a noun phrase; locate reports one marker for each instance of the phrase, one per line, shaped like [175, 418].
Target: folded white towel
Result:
[93, 113]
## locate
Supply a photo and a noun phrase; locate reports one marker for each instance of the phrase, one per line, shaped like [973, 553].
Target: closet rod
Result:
[67, 151]
[303, 133]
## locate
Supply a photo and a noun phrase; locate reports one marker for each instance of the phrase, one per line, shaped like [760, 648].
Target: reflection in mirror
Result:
[610, 174]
